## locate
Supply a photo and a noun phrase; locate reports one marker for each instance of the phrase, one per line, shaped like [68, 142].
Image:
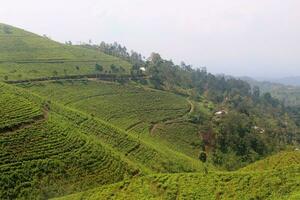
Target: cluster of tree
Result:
[117, 50]
[113, 69]
[165, 74]
[242, 135]
[7, 29]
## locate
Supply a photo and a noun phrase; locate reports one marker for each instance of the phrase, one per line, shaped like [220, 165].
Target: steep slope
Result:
[16, 111]
[276, 184]
[24, 55]
[155, 116]
[67, 151]
[126, 106]
[50, 156]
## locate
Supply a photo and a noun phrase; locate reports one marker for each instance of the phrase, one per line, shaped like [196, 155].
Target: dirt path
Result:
[133, 125]
[192, 106]
[175, 120]
[24, 125]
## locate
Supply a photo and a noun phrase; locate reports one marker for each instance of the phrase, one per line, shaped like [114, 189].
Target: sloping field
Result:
[24, 55]
[277, 161]
[127, 106]
[16, 111]
[53, 158]
[50, 156]
[158, 117]
[182, 137]
[276, 184]
[68, 151]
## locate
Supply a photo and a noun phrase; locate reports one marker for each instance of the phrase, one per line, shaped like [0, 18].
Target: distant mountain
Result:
[294, 81]
[290, 80]
[288, 93]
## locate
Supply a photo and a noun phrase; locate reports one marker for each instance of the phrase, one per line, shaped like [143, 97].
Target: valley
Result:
[151, 130]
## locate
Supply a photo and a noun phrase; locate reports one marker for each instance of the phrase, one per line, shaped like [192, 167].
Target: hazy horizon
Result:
[244, 38]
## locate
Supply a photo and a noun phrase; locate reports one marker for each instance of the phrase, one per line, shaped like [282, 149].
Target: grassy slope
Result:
[123, 106]
[131, 108]
[25, 55]
[27, 111]
[73, 151]
[276, 184]
[277, 161]
[51, 156]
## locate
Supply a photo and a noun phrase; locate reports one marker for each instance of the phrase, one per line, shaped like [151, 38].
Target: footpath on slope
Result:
[24, 125]
[175, 120]
[107, 77]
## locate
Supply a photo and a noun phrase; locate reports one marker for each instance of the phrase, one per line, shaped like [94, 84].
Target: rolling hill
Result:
[171, 135]
[24, 55]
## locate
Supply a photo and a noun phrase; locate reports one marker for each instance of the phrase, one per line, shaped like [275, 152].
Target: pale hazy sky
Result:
[237, 37]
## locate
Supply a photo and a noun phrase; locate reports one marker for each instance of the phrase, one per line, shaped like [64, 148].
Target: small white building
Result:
[221, 112]
[143, 69]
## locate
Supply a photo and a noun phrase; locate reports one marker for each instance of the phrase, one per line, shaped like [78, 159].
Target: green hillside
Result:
[129, 107]
[174, 123]
[27, 111]
[49, 155]
[72, 151]
[277, 161]
[166, 132]
[273, 185]
[159, 118]
[24, 55]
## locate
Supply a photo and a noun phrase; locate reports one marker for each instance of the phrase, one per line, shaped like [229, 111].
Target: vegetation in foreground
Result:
[277, 184]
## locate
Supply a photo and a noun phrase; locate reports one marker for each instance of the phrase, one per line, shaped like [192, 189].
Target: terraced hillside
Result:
[271, 184]
[24, 55]
[50, 156]
[158, 117]
[68, 151]
[16, 111]
[92, 139]
[128, 107]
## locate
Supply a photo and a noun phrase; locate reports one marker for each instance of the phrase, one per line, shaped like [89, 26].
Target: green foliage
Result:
[203, 156]
[117, 50]
[27, 111]
[277, 161]
[51, 156]
[98, 67]
[87, 134]
[121, 105]
[128, 107]
[277, 184]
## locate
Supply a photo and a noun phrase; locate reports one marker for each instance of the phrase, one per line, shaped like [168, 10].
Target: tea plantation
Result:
[24, 55]
[168, 136]
[270, 184]
[128, 107]
[68, 151]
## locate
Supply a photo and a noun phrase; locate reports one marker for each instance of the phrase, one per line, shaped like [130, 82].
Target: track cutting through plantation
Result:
[24, 125]
[175, 120]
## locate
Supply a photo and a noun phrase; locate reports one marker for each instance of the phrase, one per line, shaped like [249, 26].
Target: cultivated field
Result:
[128, 107]
[24, 55]
[274, 184]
